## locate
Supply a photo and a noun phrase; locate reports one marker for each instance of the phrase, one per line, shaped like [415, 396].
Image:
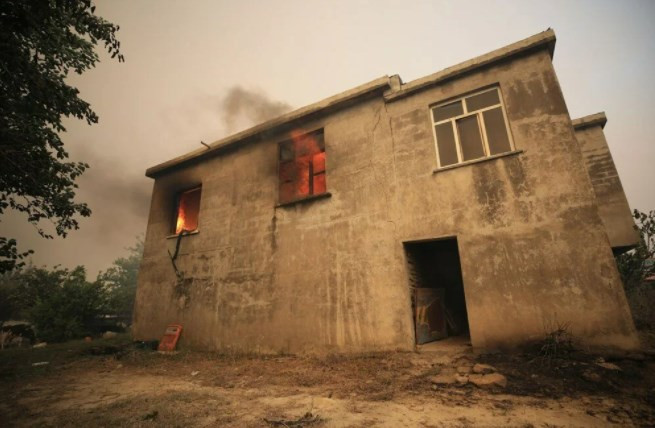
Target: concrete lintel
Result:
[381, 84]
[545, 39]
[598, 119]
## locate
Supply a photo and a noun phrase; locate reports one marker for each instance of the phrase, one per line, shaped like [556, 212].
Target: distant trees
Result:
[62, 304]
[41, 43]
[119, 281]
[638, 264]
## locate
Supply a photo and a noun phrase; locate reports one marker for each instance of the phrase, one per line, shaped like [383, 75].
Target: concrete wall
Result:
[302, 277]
[612, 204]
[331, 274]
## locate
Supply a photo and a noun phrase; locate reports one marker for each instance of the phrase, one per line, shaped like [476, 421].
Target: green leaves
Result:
[637, 264]
[62, 304]
[119, 281]
[41, 42]
[11, 258]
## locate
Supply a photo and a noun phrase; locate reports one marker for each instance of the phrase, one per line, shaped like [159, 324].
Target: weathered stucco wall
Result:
[534, 252]
[612, 203]
[302, 277]
[330, 274]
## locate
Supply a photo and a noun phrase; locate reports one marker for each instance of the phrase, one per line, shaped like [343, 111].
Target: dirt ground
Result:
[112, 383]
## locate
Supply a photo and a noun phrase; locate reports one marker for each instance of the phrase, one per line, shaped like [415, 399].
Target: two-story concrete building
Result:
[464, 202]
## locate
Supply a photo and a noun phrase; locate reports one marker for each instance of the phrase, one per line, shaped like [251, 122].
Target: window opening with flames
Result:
[187, 209]
[302, 166]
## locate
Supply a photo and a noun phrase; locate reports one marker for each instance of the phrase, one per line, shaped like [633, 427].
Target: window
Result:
[187, 208]
[472, 127]
[302, 166]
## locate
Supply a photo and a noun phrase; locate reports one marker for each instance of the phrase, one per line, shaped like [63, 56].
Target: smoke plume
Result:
[115, 187]
[242, 107]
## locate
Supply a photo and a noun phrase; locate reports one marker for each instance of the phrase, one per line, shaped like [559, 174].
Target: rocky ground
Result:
[112, 383]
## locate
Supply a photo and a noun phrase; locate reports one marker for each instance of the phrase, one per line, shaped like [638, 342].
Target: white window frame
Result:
[481, 125]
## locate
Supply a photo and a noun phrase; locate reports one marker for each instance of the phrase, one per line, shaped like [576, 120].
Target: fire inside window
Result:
[187, 209]
[302, 166]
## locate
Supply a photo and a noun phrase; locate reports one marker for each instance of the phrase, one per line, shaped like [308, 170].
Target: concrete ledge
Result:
[336, 101]
[474, 161]
[545, 39]
[301, 200]
[598, 119]
[175, 235]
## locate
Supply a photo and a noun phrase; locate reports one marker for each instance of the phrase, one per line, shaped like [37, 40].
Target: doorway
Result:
[437, 289]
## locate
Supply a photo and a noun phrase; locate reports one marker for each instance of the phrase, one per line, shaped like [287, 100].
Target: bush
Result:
[60, 303]
[637, 264]
[63, 305]
[70, 310]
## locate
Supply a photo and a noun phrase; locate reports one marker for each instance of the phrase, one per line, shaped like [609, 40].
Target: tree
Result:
[41, 42]
[119, 281]
[637, 264]
[10, 297]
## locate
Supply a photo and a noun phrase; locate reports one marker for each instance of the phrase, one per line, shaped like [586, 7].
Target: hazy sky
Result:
[186, 61]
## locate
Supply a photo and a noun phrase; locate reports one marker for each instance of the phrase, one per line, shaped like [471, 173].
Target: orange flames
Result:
[187, 211]
[180, 225]
[302, 166]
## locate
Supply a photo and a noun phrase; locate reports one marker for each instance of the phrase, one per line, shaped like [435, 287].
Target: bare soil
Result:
[111, 383]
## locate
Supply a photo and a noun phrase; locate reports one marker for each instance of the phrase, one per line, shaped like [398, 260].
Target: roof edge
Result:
[335, 101]
[545, 39]
[597, 119]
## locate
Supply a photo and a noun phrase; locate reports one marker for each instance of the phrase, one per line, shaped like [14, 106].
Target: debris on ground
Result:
[488, 380]
[104, 350]
[109, 335]
[40, 345]
[40, 363]
[147, 344]
[438, 387]
[150, 416]
[483, 369]
[307, 419]
[608, 366]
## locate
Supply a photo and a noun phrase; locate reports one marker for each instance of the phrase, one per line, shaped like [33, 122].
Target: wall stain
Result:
[490, 192]
[273, 229]
[537, 95]
[516, 175]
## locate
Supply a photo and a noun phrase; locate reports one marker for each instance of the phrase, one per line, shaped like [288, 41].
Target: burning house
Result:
[466, 202]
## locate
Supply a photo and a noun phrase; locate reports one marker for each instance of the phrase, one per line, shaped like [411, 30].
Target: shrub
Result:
[60, 303]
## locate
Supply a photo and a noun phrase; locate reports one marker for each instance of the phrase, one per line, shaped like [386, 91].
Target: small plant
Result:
[638, 264]
[557, 343]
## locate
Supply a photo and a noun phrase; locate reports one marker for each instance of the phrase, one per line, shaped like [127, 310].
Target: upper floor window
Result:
[470, 128]
[187, 208]
[302, 166]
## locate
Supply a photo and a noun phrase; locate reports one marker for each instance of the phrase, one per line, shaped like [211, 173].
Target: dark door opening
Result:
[435, 277]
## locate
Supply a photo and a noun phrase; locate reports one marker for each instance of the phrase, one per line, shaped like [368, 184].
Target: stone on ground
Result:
[489, 380]
[483, 369]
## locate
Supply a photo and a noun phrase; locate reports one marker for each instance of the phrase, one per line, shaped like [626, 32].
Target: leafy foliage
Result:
[119, 281]
[9, 307]
[636, 265]
[71, 307]
[60, 303]
[41, 42]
